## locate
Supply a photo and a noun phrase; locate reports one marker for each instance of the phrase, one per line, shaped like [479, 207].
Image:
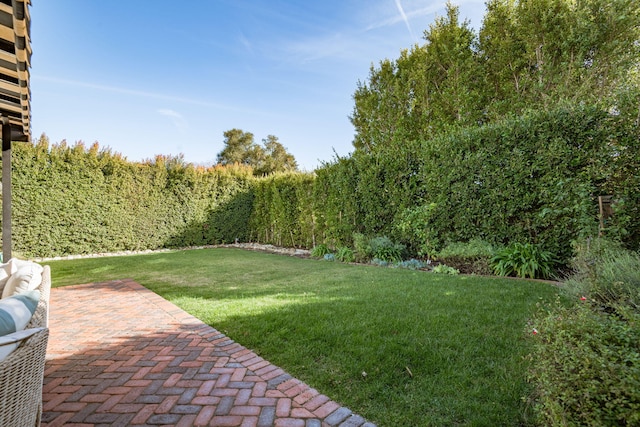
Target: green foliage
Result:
[607, 275]
[523, 260]
[283, 210]
[345, 254]
[532, 178]
[76, 200]
[586, 358]
[272, 157]
[586, 368]
[526, 55]
[473, 257]
[329, 257]
[445, 269]
[412, 224]
[383, 248]
[380, 262]
[320, 250]
[413, 264]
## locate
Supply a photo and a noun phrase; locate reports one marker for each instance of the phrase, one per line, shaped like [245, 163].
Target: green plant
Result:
[445, 269]
[607, 274]
[380, 262]
[385, 249]
[320, 251]
[329, 257]
[524, 260]
[413, 226]
[360, 247]
[472, 257]
[345, 254]
[414, 264]
[585, 367]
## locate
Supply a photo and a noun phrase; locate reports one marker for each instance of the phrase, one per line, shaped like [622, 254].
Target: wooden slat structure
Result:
[15, 61]
[15, 96]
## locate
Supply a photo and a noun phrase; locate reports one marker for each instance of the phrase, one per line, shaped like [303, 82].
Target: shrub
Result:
[379, 262]
[473, 257]
[412, 225]
[607, 274]
[385, 249]
[445, 269]
[320, 251]
[414, 264]
[345, 254]
[329, 257]
[523, 260]
[586, 368]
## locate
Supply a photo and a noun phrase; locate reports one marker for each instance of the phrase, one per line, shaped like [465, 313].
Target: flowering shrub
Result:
[586, 368]
[586, 359]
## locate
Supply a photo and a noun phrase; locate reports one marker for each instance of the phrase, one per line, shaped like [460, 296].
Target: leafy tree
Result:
[428, 89]
[528, 55]
[275, 158]
[238, 148]
[269, 158]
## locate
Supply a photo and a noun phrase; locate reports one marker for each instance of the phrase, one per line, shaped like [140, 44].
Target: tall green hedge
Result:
[74, 200]
[533, 178]
[283, 210]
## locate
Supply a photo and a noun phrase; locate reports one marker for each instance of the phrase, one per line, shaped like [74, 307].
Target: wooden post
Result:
[6, 189]
[601, 229]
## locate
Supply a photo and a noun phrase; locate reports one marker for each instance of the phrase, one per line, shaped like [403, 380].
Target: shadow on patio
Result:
[121, 355]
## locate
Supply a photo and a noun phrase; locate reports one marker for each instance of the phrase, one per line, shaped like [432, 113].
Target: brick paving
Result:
[121, 355]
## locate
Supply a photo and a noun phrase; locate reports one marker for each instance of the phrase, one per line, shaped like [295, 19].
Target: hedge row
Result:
[74, 200]
[533, 178]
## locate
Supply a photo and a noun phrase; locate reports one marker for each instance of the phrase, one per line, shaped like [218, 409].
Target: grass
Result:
[436, 350]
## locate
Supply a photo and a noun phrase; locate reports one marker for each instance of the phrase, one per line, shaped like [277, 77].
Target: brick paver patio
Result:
[121, 355]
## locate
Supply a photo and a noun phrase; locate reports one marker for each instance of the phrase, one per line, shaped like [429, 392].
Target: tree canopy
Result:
[265, 159]
[527, 55]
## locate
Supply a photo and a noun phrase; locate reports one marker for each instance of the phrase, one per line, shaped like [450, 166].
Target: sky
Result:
[148, 77]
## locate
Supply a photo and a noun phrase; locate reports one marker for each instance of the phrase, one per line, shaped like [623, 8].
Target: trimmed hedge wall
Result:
[533, 178]
[283, 210]
[73, 200]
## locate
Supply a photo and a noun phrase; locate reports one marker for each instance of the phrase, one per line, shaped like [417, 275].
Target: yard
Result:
[399, 347]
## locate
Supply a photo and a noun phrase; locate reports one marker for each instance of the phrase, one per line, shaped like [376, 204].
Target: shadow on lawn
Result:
[421, 362]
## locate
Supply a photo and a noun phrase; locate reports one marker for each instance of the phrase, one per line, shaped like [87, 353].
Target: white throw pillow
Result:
[27, 277]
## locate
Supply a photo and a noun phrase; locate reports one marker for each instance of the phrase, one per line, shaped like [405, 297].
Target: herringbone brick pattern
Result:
[121, 355]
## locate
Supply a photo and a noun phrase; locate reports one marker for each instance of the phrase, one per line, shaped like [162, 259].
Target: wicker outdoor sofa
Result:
[22, 371]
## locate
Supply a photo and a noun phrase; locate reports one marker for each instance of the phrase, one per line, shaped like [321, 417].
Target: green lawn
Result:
[437, 350]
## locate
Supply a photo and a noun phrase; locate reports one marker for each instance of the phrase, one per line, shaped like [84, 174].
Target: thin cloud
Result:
[178, 119]
[404, 18]
[152, 95]
[246, 43]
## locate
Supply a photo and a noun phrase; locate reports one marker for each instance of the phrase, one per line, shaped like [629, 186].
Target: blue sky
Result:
[147, 77]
